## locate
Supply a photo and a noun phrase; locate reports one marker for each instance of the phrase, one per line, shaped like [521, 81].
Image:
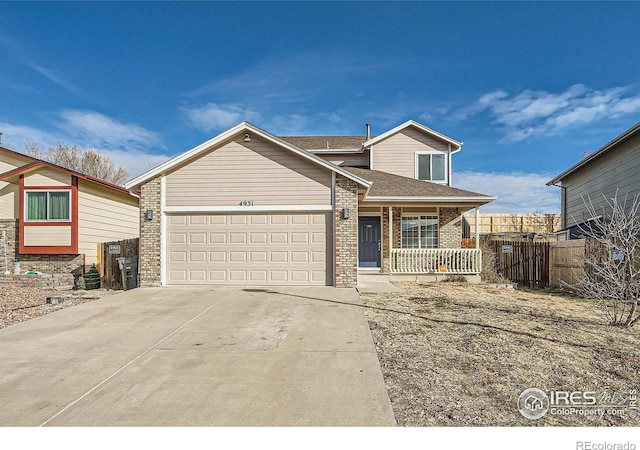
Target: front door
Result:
[369, 240]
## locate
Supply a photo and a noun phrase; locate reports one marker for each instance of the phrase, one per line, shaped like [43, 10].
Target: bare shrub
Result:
[612, 266]
[490, 272]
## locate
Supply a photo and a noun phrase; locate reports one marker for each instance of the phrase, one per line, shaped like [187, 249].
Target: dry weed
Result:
[460, 355]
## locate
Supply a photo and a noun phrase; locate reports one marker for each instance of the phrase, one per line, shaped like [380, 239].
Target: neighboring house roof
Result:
[35, 163]
[412, 123]
[16, 154]
[389, 187]
[242, 127]
[12, 175]
[327, 144]
[634, 130]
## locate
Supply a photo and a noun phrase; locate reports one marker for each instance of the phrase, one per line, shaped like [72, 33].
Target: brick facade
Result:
[450, 228]
[150, 237]
[9, 228]
[47, 264]
[346, 238]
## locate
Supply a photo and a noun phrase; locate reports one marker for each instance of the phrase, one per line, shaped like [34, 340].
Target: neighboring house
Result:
[613, 167]
[54, 218]
[251, 208]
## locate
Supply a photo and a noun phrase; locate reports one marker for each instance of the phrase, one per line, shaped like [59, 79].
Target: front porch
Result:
[398, 247]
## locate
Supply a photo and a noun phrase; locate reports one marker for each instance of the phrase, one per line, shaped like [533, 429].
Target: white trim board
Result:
[246, 209]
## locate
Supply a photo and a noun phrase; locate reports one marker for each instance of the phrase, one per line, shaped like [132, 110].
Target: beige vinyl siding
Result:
[103, 216]
[9, 191]
[369, 210]
[347, 160]
[618, 169]
[255, 171]
[396, 154]
[47, 236]
[47, 177]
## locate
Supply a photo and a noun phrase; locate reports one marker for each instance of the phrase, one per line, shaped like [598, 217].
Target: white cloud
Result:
[15, 136]
[97, 130]
[213, 117]
[128, 145]
[531, 113]
[135, 162]
[56, 78]
[517, 192]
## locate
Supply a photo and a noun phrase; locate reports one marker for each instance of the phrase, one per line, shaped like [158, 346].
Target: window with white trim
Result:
[419, 232]
[431, 166]
[48, 206]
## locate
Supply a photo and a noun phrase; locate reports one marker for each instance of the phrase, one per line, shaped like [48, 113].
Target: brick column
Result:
[346, 238]
[450, 228]
[150, 233]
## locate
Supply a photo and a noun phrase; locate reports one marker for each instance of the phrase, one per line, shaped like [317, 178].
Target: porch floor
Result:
[366, 277]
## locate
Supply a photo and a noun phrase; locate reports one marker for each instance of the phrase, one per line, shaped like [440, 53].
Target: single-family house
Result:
[614, 167]
[251, 208]
[53, 218]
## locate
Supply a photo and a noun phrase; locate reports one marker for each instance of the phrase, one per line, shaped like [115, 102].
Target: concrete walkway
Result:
[196, 357]
[376, 284]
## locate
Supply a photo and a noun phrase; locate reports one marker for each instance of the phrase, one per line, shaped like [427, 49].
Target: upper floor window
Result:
[431, 167]
[48, 206]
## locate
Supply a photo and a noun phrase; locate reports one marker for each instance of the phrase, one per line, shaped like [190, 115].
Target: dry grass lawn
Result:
[454, 354]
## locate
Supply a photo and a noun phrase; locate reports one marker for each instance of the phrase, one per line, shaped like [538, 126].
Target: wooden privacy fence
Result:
[567, 261]
[525, 263]
[108, 252]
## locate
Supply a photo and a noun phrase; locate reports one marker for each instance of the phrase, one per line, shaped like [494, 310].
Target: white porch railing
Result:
[436, 260]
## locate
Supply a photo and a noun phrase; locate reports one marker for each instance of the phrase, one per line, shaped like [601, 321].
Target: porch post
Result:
[477, 227]
[390, 238]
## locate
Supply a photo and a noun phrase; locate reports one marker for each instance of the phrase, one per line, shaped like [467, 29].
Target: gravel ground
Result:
[455, 354]
[18, 304]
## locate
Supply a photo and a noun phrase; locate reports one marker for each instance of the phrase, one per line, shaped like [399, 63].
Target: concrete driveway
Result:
[196, 357]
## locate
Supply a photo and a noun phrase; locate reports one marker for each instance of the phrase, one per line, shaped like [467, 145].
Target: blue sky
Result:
[528, 87]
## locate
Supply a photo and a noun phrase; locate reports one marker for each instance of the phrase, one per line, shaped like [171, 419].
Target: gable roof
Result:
[225, 135]
[598, 153]
[389, 187]
[38, 164]
[412, 123]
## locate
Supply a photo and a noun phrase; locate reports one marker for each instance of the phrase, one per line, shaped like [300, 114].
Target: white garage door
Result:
[248, 249]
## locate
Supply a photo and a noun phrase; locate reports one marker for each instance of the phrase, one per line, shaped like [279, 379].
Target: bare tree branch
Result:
[84, 160]
[612, 259]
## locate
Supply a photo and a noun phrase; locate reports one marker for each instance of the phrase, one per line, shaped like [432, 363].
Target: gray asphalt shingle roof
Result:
[389, 185]
[326, 142]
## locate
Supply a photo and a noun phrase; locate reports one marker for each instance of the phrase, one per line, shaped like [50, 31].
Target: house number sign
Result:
[246, 203]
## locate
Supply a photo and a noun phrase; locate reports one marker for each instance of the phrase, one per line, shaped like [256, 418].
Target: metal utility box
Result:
[129, 271]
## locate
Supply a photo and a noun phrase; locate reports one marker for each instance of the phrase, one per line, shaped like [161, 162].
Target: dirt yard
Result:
[18, 304]
[454, 354]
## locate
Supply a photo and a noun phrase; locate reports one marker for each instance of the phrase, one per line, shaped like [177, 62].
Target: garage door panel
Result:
[197, 220]
[217, 238]
[248, 249]
[197, 238]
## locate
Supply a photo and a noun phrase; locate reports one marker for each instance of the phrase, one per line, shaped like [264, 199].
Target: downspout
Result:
[449, 183]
